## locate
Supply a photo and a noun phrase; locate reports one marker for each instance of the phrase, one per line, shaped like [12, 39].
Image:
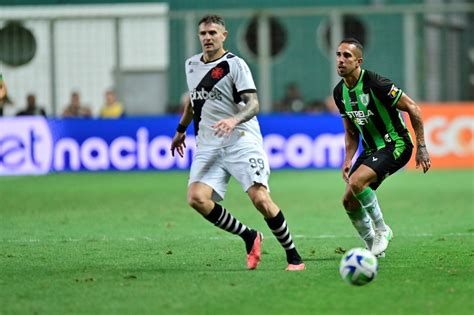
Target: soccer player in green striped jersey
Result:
[370, 107]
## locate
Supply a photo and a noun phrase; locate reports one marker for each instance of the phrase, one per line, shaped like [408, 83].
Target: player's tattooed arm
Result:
[227, 125]
[251, 107]
[408, 105]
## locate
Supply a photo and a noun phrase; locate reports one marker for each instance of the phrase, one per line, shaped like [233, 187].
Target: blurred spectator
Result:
[75, 108]
[316, 106]
[31, 108]
[179, 108]
[6, 105]
[323, 106]
[112, 108]
[331, 105]
[292, 100]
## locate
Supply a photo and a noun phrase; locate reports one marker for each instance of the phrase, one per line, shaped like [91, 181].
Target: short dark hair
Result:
[212, 18]
[353, 41]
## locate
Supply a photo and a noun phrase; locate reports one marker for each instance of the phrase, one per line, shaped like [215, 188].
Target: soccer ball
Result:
[358, 266]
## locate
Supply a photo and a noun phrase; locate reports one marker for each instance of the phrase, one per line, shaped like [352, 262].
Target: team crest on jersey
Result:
[364, 99]
[393, 91]
[217, 73]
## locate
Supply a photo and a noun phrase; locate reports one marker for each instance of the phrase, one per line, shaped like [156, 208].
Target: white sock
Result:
[369, 202]
[363, 225]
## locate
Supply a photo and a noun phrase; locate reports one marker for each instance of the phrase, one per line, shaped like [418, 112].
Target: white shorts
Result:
[246, 162]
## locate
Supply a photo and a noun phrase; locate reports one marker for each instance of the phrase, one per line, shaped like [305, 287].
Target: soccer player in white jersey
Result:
[224, 106]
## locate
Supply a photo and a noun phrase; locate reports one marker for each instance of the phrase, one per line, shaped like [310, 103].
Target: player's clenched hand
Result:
[178, 144]
[346, 167]
[423, 158]
[224, 126]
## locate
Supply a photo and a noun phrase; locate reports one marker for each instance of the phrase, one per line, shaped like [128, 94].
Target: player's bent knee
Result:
[263, 203]
[196, 201]
[356, 185]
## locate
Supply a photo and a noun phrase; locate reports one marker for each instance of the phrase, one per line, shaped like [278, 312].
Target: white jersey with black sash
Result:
[215, 88]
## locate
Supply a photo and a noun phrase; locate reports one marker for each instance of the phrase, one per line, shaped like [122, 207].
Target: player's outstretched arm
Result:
[251, 108]
[408, 105]
[178, 142]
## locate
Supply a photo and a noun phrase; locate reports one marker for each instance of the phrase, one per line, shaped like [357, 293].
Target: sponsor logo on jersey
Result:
[214, 94]
[217, 73]
[360, 117]
[393, 91]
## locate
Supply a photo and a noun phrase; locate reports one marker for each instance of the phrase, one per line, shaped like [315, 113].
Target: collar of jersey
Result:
[202, 58]
[358, 80]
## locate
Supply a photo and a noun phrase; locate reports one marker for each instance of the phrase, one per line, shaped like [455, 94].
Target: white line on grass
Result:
[154, 239]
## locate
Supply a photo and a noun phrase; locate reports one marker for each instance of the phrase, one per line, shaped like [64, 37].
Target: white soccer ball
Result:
[358, 266]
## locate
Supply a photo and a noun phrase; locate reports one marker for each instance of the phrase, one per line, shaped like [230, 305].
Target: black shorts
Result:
[384, 162]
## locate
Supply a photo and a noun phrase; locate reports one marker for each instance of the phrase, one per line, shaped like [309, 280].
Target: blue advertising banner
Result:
[35, 145]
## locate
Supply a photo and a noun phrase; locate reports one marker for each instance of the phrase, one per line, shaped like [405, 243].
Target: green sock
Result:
[362, 223]
[369, 202]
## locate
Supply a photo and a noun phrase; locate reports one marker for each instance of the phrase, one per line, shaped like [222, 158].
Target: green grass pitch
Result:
[127, 243]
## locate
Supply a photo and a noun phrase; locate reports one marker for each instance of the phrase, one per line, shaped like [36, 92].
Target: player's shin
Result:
[363, 225]
[369, 202]
[280, 229]
[223, 219]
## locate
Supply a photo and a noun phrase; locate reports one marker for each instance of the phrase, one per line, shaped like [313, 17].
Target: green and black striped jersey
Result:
[371, 106]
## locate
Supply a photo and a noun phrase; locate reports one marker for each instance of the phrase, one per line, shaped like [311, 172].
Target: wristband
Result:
[181, 128]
